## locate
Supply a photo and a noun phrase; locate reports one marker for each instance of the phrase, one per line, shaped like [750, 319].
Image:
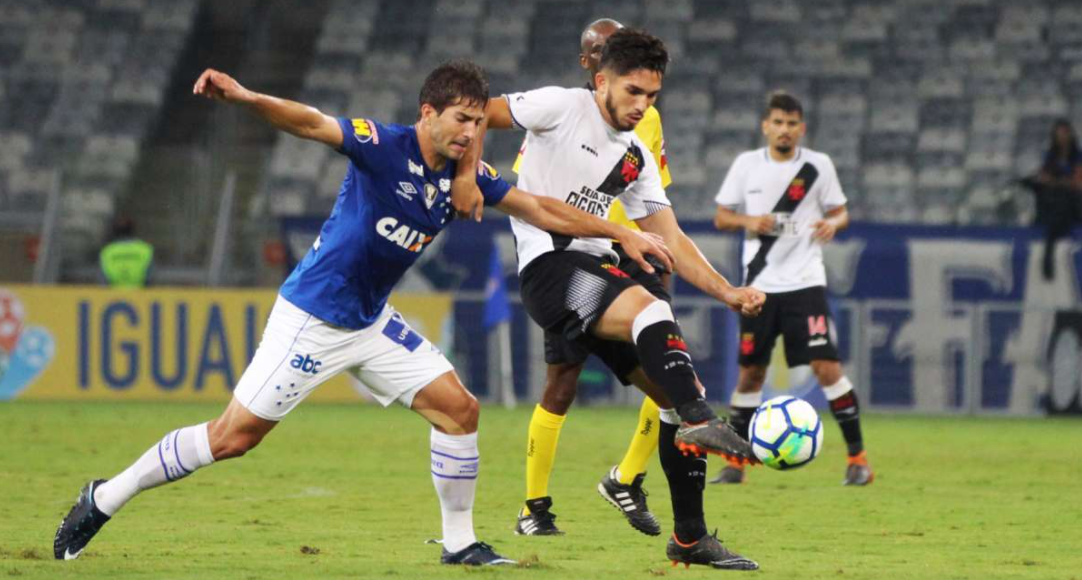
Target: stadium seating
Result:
[81, 82]
[929, 109]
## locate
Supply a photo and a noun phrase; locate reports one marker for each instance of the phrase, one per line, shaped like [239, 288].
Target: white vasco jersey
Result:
[798, 193]
[573, 155]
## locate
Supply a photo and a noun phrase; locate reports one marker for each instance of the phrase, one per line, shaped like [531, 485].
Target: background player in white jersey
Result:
[788, 200]
[582, 150]
[332, 314]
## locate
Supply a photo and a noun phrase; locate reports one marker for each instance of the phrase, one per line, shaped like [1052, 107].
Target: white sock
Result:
[455, 463]
[838, 389]
[176, 456]
[746, 400]
[669, 416]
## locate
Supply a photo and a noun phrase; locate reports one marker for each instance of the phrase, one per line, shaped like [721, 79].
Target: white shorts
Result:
[299, 351]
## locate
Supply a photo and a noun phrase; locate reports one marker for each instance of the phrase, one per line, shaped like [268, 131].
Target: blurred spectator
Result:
[125, 260]
[1058, 187]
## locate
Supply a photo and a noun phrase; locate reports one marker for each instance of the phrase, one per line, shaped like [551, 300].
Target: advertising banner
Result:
[76, 343]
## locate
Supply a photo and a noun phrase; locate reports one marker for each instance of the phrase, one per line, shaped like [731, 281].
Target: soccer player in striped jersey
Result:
[789, 201]
[581, 148]
[621, 485]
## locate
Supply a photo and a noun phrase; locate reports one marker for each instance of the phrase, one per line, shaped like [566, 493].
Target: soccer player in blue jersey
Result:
[332, 315]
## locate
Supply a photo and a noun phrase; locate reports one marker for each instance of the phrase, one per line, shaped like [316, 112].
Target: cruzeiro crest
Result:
[25, 350]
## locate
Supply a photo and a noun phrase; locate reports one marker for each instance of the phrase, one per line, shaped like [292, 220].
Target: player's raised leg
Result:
[846, 410]
[453, 413]
[638, 317]
[746, 398]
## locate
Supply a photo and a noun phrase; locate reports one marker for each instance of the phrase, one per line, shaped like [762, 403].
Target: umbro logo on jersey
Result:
[406, 237]
[306, 364]
[589, 149]
[415, 168]
[406, 190]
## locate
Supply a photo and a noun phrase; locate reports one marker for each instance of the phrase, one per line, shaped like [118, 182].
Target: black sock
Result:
[687, 478]
[846, 410]
[740, 419]
[664, 358]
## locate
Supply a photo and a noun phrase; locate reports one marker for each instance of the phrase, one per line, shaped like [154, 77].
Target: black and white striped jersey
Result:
[798, 192]
[573, 155]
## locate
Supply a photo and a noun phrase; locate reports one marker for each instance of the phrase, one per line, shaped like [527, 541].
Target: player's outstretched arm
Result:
[290, 116]
[556, 216]
[696, 269]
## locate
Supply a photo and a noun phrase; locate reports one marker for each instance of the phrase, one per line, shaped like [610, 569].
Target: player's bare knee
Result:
[463, 412]
[751, 379]
[827, 372]
[617, 321]
[561, 386]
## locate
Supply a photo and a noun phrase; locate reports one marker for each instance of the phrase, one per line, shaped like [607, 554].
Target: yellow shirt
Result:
[649, 130]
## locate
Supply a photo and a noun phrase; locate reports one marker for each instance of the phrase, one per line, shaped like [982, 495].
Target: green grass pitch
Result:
[345, 492]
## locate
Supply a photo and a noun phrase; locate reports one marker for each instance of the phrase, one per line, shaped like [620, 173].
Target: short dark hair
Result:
[630, 49]
[783, 101]
[454, 82]
[123, 227]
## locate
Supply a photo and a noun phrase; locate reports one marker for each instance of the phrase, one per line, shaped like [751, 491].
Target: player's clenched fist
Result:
[218, 85]
[763, 224]
[746, 300]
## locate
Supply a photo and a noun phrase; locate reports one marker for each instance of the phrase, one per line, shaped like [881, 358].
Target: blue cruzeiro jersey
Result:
[389, 208]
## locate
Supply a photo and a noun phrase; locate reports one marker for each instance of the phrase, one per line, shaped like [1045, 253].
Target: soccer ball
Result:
[786, 433]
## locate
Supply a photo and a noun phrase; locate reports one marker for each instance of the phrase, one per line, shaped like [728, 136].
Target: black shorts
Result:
[619, 357]
[803, 319]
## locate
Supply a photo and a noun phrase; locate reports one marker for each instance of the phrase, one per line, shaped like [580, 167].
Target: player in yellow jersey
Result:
[622, 485]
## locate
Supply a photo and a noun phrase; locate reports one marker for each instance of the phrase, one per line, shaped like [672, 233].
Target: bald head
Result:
[593, 40]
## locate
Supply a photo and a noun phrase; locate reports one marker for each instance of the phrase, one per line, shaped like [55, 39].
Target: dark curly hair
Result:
[455, 82]
[782, 101]
[629, 49]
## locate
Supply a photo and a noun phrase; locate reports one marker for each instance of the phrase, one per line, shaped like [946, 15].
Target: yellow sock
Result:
[541, 451]
[643, 443]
